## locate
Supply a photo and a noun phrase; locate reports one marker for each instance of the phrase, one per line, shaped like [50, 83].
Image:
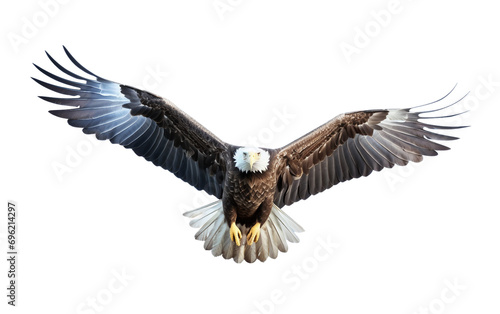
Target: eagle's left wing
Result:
[352, 145]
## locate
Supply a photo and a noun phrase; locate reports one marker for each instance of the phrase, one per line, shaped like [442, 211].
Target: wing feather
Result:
[151, 126]
[353, 145]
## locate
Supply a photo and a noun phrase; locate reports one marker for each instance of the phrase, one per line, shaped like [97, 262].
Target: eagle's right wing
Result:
[151, 126]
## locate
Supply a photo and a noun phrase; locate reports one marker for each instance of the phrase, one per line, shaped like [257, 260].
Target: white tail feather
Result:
[214, 230]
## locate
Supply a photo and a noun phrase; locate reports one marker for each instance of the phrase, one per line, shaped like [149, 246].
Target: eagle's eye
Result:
[258, 153]
[245, 154]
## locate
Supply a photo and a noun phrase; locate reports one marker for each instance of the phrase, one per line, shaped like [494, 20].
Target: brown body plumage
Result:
[248, 197]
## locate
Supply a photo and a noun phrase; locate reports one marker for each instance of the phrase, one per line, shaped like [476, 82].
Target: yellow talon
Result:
[235, 234]
[253, 234]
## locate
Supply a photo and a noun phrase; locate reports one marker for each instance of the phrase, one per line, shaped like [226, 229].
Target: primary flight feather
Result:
[252, 184]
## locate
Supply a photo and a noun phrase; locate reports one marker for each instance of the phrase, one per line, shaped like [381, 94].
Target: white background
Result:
[404, 234]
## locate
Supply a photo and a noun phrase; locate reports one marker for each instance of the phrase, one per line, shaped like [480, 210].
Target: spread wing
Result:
[352, 145]
[151, 126]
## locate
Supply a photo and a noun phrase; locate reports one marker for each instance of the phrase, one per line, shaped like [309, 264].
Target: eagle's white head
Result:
[251, 159]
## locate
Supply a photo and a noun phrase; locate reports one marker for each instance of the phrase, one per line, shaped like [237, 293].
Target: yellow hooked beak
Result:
[252, 159]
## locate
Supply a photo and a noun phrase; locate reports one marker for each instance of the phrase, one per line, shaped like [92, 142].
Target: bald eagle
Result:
[252, 184]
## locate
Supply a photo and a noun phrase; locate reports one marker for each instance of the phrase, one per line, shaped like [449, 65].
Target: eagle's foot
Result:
[235, 234]
[253, 234]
